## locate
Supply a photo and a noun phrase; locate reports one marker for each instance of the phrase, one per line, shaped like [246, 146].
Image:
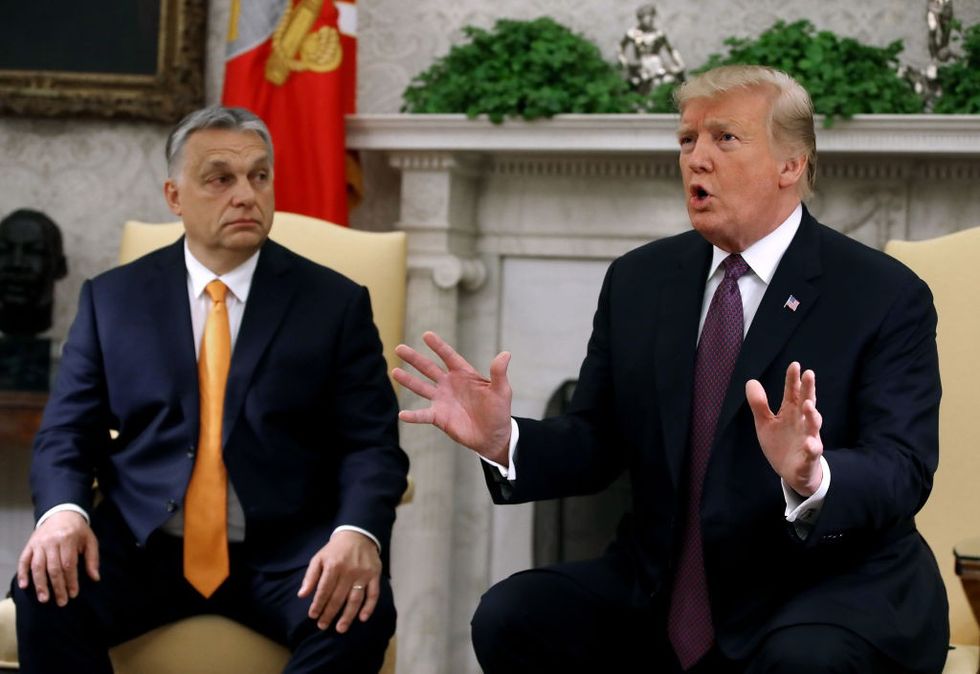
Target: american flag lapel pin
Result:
[791, 303]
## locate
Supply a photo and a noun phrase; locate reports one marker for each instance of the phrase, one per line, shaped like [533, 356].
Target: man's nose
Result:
[699, 157]
[243, 194]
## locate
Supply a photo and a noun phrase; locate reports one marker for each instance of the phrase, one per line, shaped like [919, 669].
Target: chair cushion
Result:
[200, 645]
[8, 635]
[963, 660]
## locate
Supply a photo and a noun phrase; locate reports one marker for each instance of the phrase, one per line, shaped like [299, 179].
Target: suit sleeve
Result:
[886, 477]
[372, 471]
[75, 428]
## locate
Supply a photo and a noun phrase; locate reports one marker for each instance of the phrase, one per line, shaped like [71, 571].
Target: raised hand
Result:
[469, 408]
[790, 439]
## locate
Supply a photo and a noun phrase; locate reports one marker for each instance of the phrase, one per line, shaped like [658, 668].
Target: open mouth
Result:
[699, 195]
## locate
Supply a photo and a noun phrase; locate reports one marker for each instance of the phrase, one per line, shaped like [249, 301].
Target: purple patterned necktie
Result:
[689, 618]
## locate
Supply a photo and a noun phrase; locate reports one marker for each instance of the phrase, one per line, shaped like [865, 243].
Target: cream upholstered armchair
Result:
[951, 266]
[211, 644]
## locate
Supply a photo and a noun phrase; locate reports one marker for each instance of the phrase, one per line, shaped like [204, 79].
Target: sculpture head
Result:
[31, 260]
[646, 14]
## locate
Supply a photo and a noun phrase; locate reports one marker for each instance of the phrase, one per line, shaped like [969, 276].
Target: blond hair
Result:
[790, 120]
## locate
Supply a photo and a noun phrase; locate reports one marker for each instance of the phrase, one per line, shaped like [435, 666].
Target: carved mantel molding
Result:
[914, 135]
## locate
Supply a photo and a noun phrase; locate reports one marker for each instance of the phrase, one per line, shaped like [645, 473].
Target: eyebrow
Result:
[222, 165]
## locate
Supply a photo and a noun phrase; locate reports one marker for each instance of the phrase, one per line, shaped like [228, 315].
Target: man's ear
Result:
[791, 170]
[171, 192]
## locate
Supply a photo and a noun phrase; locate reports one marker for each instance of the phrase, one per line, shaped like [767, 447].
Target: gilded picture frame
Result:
[54, 65]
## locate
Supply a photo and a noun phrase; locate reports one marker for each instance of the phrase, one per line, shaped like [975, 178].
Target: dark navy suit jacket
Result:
[866, 325]
[309, 431]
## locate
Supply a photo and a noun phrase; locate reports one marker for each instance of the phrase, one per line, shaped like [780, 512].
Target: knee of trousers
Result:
[370, 637]
[782, 651]
[498, 618]
[38, 622]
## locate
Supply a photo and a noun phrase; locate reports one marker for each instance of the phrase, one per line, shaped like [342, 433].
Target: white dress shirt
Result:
[763, 257]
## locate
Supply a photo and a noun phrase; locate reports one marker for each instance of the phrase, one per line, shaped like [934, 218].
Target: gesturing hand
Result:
[790, 439]
[470, 409]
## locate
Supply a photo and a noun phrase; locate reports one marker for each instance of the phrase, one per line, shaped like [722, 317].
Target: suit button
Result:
[171, 506]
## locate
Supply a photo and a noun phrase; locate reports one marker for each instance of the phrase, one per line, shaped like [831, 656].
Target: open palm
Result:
[790, 439]
[469, 408]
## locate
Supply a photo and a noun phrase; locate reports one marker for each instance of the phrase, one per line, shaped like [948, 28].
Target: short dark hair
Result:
[213, 117]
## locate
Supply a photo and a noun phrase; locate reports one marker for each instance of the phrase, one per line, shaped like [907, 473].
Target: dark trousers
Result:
[143, 587]
[588, 616]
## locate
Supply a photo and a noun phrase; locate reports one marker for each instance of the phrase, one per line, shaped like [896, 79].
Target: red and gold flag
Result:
[294, 64]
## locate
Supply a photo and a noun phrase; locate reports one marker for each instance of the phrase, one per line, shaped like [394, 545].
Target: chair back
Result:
[376, 260]
[951, 266]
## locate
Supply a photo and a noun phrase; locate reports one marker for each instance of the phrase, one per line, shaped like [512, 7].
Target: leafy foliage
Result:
[529, 69]
[960, 80]
[844, 77]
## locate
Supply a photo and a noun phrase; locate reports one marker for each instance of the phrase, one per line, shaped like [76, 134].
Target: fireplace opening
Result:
[578, 527]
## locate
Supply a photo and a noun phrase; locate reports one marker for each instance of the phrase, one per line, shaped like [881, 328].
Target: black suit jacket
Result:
[866, 325]
[310, 434]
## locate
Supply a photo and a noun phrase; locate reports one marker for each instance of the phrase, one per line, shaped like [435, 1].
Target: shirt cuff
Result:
[805, 511]
[62, 507]
[510, 472]
[350, 527]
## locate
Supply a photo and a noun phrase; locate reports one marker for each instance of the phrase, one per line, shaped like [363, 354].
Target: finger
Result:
[69, 563]
[498, 371]
[56, 576]
[310, 579]
[373, 593]
[758, 401]
[812, 419]
[324, 589]
[24, 566]
[808, 388]
[791, 388]
[441, 348]
[331, 599]
[423, 364]
[355, 599]
[423, 416]
[91, 552]
[39, 575]
[414, 384]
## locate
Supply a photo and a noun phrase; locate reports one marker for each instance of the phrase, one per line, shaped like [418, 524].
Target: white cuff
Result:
[61, 508]
[351, 527]
[806, 511]
[509, 472]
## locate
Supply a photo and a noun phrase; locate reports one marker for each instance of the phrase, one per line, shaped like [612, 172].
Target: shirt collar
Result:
[238, 280]
[764, 255]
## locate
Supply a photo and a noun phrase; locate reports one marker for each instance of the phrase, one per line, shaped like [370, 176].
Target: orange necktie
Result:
[206, 502]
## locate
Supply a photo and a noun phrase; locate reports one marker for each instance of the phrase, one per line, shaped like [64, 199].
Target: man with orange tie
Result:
[256, 469]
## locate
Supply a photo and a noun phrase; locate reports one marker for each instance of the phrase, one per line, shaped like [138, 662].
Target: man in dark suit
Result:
[298, 434]
[758, 542]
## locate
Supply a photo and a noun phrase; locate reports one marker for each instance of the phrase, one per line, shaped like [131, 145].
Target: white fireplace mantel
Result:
[942, 135]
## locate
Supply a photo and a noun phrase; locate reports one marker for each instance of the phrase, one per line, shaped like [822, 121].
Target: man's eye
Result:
[727, 137]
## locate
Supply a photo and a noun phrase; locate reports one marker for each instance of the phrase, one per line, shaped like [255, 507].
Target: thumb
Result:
[755, 394]
[498, 370]
[90, 549]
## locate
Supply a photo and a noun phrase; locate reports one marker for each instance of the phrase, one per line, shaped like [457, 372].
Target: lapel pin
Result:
[791, 303]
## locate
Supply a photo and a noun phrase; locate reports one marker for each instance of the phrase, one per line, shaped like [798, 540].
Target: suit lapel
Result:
[677, 335]
[167, 292]
[273, 286]
[774, 322]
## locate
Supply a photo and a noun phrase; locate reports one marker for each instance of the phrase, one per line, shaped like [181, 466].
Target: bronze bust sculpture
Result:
[31, 260]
